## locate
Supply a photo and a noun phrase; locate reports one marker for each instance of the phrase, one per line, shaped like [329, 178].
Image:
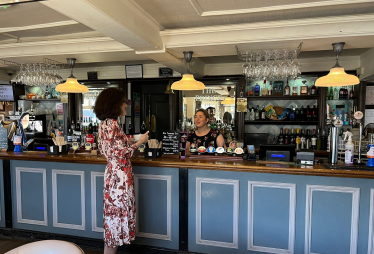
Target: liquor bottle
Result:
[297, 113]
[78, 126]
[263, 113]
[302, 114]
[308, 139]
[287, 89]
[270, 89]
[319, 141]
[302, 140]
[90, 127]
[292, 137]
[336, 94]
[323, 141]
[143, 128]
[130, 129]
[331, 95]
[351, 93]
[72, 125]
[257, 90]
[294, 90]
[264, 90]
[298, 139]
[257, 113]
[281, 137]
[292, 113]
[308, 113]
[341, 93]
[314, 140]
[314, 113]
[286, 137]
[246, 117]
[252, 115]
[313, 89]
[346, 93]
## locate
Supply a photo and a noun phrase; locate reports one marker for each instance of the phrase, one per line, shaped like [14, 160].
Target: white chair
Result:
[47, 247]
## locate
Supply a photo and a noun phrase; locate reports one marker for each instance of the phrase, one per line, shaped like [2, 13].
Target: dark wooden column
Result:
[239, 116]
[361, 102]
[322, 108]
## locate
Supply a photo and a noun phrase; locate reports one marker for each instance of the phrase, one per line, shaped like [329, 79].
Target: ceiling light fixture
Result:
[71, 85]
[337, 75]
[188, 83]
[228, 100]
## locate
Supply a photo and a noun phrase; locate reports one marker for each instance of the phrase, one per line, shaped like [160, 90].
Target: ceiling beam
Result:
[38, 26]
[125, 22]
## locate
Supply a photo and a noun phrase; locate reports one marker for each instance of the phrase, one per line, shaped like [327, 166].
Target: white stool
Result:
[47, 247]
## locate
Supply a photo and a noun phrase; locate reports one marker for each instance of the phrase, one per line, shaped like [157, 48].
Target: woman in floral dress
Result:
[119, 194]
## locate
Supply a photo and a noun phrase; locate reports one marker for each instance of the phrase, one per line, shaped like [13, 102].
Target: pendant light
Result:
[228, 100]
[71, 85]
[337, 75]
[188, 83]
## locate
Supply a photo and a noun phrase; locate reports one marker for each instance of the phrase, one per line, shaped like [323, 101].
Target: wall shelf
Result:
[52, 100]
[282, 122]
[283, 97]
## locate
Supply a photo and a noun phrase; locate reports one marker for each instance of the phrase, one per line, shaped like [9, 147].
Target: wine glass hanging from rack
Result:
[270, 64]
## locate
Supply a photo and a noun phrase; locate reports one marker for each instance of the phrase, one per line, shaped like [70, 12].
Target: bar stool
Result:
[47, 247]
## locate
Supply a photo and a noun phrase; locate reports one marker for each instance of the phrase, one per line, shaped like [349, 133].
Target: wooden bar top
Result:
[209, 164]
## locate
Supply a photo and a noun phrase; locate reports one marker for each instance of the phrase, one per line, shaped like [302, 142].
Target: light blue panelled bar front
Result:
[228, 212]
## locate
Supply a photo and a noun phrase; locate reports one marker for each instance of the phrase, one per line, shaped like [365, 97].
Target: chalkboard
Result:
[165, 72]
[170, 142]
[3, 138]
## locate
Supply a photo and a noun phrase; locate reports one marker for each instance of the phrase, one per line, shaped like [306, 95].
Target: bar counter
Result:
[197, 205]
[209, 164]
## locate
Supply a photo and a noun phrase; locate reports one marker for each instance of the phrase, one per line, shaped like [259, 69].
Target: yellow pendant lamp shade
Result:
[228, 101]
[337, 75]
[71, 85]
[188, 83]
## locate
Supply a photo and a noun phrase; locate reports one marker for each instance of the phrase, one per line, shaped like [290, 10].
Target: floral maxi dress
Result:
[119, 194]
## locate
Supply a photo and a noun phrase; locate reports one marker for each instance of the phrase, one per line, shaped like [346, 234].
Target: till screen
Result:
[277, 155]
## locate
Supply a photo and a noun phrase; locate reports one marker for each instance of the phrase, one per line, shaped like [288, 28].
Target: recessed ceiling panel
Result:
[52, 31]
[173, 14]
[28, 14]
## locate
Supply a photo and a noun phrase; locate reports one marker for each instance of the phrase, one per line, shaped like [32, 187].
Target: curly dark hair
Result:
[108, 103]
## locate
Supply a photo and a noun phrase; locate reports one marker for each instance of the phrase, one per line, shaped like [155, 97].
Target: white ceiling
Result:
[111, 32]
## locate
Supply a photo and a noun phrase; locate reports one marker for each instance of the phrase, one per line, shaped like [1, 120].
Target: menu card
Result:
[3, 138]
[170, 142]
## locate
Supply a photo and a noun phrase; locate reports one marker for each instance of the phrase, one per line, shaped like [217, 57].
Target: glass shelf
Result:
[284, 97]
[282, 122]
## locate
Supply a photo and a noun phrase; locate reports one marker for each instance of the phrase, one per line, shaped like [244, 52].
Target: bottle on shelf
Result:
[287, 89]
[252, 115]
[297, 113]
[264, 89]
[346, 93]
[319, 141]
[302, 140]
[341, 93]
[246, 117]
[336, 94]
[302, 114]
[292, 113]
[263, 113]
[257, 113]
[314, 140]
[324, 141]
[331, 94]
[308, 113]
[351, 93]
[308, 139]
[286, 137]
[314, 113]
[270, 89]
[281, 137]
[257, 90]
[313, 89]
[298, 139]
[292, 137]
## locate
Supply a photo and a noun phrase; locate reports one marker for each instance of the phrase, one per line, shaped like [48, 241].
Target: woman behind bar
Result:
[204, 136]
[119, 194]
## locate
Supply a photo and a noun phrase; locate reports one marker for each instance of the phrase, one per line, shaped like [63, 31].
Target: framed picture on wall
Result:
[2, 106]
[134, 71]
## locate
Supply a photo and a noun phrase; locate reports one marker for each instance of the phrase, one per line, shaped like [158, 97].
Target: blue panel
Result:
[271, 217]
[174, 173]
[152, 203]
[2, 201]
[217, 212]
[99, 201]
[69, 199]
[32, 196]
[331, 222]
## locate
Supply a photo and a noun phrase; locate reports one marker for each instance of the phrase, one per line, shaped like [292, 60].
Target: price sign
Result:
[170, 142]
[3, 138]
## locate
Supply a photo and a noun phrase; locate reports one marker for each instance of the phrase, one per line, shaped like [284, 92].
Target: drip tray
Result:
[344, 167]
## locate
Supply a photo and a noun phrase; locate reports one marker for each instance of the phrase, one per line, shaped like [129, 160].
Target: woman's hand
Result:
[143, 139]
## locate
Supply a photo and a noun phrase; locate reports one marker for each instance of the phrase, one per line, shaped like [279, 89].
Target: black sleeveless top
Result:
[207, 140]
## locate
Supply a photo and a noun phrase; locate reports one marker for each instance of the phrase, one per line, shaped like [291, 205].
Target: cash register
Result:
[276, 152]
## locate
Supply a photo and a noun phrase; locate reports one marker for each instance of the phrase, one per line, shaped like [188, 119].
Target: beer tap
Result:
[358, 115]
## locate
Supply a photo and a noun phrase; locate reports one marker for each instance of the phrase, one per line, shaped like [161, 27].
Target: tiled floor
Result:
[9, 244]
